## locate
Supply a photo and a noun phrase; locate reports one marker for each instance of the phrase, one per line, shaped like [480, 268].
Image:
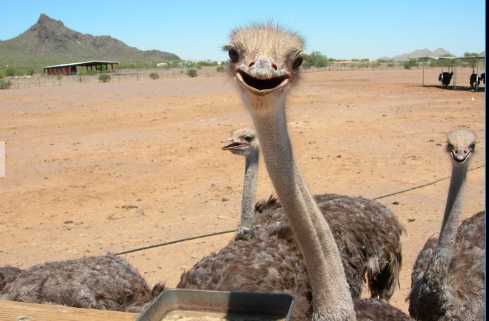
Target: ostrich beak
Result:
[235, 146]
[461, 157]
[262, 76]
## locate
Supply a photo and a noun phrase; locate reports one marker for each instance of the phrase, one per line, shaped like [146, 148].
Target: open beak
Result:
[262, 77]
[235, 146]
[460, 158]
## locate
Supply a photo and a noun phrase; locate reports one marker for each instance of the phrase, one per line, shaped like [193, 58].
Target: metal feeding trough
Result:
[192, 305]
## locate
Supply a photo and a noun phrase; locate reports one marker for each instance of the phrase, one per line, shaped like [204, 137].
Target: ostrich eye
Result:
[233, 55]
[449, 147]
[248, 138]
[472, 147]
[297, 63]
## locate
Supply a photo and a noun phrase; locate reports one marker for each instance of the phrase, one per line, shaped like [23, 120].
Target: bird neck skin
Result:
[249, 191]
[454, 207]
[331, 297]
[437, 271]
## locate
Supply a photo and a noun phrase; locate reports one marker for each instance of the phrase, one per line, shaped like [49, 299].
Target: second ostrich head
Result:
[241, 142]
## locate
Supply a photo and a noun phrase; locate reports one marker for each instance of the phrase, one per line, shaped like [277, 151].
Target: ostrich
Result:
[99, 282]
[447, 278]
[243, 142]
[352, 219]
[264, 61]
[445, 78]
[474, 81]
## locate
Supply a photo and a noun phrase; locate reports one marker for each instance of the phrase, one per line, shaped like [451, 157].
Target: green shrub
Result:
[206, 63]
[361, 65]
[5, 84]
[29, 72]
[220, 68]
[154, 75]
[315, 59]
[86, 72]
[374, 64]
[471, 54]
[10, 72]
[104, 78]
[410, 64]
[192, 72]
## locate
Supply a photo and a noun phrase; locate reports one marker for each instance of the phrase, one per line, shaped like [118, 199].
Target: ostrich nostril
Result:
[274, 66]
[251, 64]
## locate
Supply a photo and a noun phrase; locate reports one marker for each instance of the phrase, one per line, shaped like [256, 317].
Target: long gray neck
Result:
[438, 269]
[249, 191]
[454, 207]
[331, 296]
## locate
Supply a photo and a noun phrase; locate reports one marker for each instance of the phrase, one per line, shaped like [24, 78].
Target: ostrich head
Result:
[241, 142]
[461, 146]
[264, 59]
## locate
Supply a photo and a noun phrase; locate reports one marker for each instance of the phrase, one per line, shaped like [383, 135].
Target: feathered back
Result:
[98, 282]
[7, 275]
[367, 235]
[265, 263]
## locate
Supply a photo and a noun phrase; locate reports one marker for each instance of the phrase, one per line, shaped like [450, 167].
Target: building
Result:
[74, 67]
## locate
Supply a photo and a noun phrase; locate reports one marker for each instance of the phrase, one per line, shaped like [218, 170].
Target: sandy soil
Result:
[95, 167]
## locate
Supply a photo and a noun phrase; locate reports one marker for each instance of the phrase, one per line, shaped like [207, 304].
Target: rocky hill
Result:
[440, 52]
[49, 41]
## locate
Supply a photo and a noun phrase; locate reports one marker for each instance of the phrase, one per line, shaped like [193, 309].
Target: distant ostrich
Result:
[447, 279]
[445, 78]
[483, 78]
[367, 233]
[98, 282]
[265, 60]
[474, 81]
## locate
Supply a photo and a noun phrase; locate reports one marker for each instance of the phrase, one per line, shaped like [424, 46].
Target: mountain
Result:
[440, 52]
[48, 41]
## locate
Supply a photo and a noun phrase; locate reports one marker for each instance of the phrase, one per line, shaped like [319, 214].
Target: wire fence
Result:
[186, 239]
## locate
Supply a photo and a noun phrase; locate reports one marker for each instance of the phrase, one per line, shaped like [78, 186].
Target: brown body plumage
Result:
[264, 263]
[460, 298]
[98, 282]
[367, 235]
[272, 262]
[7, 275]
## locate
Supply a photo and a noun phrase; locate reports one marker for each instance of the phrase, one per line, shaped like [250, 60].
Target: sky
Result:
[197, 30]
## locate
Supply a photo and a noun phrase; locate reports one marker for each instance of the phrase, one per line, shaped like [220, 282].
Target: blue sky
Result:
[197, 29]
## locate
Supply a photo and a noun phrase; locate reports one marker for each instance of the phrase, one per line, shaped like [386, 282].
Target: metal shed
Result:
[74, 67]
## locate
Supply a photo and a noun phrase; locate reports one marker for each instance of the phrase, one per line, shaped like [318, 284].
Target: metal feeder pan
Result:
[263, 305]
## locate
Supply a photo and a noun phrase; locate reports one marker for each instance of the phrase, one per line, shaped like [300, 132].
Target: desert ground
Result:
[108, 167]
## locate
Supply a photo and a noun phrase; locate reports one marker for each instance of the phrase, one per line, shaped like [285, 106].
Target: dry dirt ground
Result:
[94, 167]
